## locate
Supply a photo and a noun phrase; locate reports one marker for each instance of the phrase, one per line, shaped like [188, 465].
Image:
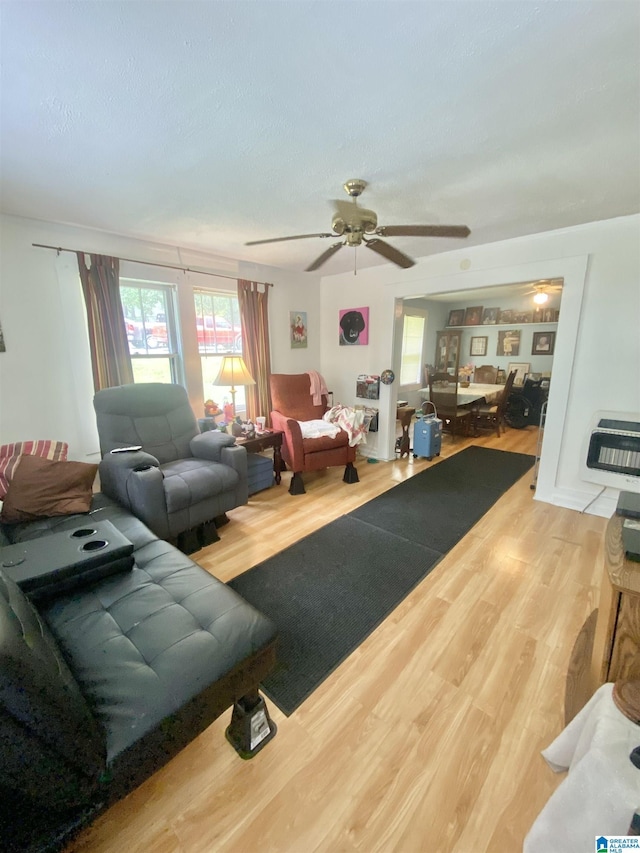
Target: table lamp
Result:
[233, 371]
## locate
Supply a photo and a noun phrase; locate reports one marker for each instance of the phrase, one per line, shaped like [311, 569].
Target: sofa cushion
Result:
[51, 748]
[42, 487]
[10, 456]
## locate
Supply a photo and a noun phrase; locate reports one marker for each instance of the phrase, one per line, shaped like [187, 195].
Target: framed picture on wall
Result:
[298, 327]
[478, 346]
[543, 343]
[521, 368]
[490, 316]
[354, 326]
[473, 316]
[509, 342]
[456, 317]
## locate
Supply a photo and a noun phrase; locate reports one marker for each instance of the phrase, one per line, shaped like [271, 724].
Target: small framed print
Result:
[298, 329]
[456, 317]
[473, 316]
[521, 368]
[490, 316]
[478, 346]
[509, 342]
[543, 343]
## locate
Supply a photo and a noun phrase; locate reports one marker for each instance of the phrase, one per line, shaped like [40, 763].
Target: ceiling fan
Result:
[543, 288]
[351, 223]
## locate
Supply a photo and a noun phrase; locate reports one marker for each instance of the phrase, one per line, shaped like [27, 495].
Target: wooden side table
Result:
[263, 441]
[616, 646]
[608, 646]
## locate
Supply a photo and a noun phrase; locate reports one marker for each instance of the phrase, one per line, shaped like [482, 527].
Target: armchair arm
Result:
[292, 447]
[134, 480]
[209, 445]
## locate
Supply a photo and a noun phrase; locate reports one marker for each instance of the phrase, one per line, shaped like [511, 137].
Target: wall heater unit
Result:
[613, 452]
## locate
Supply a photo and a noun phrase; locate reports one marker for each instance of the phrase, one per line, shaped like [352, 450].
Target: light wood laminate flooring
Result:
[428, 737]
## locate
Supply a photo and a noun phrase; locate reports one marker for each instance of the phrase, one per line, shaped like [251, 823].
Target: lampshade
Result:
[233, 371]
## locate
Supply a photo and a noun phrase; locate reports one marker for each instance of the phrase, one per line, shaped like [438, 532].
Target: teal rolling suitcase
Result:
[427, 434]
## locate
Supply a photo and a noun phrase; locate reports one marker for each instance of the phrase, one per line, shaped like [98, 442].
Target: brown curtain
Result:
[110, 357]
[254, 319]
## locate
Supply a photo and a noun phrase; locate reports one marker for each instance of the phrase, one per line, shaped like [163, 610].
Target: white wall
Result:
[46, 386]
[45, 378]
[597, 354]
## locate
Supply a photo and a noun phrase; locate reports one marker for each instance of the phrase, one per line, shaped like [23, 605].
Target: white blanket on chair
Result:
[318, 429]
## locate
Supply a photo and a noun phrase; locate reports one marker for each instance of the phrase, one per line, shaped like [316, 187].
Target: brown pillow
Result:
[41, 487]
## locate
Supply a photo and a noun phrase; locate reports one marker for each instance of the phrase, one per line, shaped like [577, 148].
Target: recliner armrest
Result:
[209, 445]
[292, 442]
[135, 481]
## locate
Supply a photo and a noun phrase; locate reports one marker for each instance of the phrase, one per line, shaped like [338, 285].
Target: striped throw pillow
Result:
[10, 455]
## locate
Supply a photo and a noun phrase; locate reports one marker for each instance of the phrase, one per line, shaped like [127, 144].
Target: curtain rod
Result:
[59, 249]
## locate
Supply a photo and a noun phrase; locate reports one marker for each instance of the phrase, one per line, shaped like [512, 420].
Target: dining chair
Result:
[491, 415]
[486, 374]
[443, 393]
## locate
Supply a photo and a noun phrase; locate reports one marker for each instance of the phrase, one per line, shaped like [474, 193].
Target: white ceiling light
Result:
[540, 298]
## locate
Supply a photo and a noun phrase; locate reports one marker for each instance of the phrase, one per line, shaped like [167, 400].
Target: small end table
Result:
[262, 441]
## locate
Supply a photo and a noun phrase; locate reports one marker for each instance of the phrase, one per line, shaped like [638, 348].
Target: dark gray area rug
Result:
[330, 590]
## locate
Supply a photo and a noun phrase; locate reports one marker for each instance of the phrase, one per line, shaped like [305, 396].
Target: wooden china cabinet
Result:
[447, 356]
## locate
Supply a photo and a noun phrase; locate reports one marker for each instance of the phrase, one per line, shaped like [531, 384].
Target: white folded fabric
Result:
[318, 429]
[602, 789]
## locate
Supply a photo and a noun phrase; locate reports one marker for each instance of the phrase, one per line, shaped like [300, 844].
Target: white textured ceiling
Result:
[207, 124]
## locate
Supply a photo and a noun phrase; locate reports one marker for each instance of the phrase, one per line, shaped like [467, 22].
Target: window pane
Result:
[148, 314]
[412, 342]
[217, 322]
[150, 321]
[151, 369]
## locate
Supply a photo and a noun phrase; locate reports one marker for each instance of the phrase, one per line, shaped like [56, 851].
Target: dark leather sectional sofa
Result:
[102, 683]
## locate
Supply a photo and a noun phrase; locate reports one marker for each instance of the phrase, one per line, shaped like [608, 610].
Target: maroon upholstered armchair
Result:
[292, 402]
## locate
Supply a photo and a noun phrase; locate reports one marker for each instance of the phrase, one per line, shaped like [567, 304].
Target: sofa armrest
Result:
[135, 481]
[209, 445]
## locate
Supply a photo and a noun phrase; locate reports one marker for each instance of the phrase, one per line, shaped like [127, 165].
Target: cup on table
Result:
[260, 424]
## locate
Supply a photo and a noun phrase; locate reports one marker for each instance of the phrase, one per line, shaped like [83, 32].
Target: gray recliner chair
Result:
[180, 482]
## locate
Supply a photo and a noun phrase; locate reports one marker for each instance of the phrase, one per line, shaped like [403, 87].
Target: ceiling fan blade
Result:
[390, 253]
[423, 231]
[282, 239]
[324, 257]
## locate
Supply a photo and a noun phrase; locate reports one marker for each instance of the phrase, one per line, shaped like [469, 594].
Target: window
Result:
[413, 329]
[150, 321]
[219, 332]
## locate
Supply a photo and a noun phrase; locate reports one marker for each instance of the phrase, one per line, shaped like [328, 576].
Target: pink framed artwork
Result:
[353, 326]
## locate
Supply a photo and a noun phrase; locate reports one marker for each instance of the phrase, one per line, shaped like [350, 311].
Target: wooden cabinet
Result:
[447, 357]
[608, 647]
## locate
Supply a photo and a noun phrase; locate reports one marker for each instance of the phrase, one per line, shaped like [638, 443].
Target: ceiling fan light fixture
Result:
[352, 222]
[540, 298]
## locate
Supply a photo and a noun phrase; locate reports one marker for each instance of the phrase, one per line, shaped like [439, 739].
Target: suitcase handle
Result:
[429, 415]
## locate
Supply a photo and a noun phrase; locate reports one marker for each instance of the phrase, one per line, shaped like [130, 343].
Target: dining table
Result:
[474, 392]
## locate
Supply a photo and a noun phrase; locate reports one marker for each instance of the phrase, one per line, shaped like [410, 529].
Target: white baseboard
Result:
[603, 505]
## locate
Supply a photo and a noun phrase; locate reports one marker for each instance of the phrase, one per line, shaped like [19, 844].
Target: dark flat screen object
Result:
[628, 505]
[631, 539]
